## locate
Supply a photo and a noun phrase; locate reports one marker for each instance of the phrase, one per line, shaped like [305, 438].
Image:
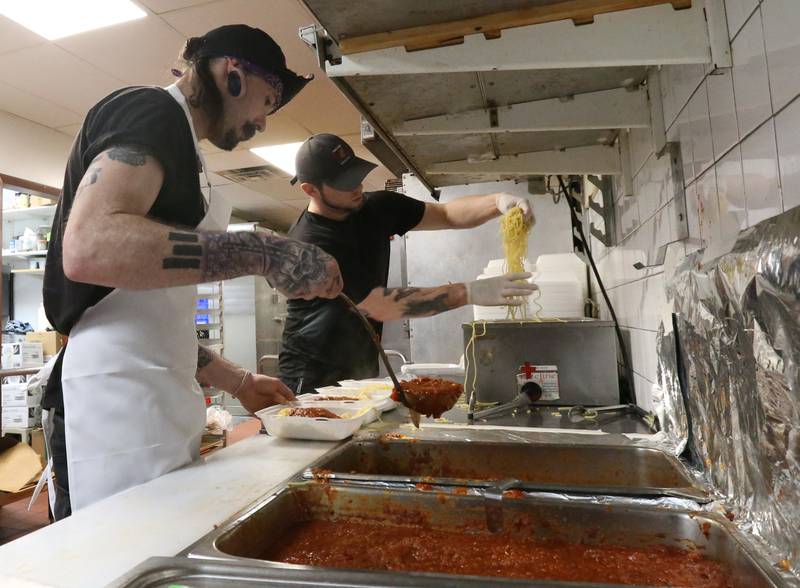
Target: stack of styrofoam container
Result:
[562, 283]
[563, 287]
[496, 267]
[21, 406]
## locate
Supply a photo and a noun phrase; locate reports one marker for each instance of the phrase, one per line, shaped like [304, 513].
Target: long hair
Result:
[205, 94]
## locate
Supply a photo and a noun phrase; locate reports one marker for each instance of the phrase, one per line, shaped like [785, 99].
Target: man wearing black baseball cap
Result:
[132, 236]
[322, 341]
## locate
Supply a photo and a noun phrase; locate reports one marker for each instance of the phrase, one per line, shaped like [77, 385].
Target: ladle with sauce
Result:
[401, 395]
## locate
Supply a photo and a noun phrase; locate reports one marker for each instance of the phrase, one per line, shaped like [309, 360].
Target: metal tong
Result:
[401, 395]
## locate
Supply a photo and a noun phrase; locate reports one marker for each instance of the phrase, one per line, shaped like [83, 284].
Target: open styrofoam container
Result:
[310, 400]
[315, 429]
[380, 395]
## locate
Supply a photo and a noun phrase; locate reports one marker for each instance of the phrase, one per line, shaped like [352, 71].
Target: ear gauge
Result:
[234, 84]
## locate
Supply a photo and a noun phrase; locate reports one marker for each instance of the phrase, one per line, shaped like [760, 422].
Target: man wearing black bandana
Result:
[132, 236]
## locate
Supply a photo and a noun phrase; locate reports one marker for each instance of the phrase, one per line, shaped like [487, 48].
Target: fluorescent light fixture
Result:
[54, 19]
[281, 156]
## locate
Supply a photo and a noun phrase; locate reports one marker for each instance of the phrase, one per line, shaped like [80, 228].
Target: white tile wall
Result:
[700, 124]
[750, 80]
[787, 125]
[730, 183]
[738, 12]
[708, 206]
[722, 108]
[693, 211]
[760, 168]
[730, 187]
[781, 18]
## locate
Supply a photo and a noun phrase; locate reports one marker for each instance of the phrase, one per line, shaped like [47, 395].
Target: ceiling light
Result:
[54, 19]
[281, 156]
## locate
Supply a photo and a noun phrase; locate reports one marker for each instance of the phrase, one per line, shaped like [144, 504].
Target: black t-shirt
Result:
[143, 116]
[323, 341]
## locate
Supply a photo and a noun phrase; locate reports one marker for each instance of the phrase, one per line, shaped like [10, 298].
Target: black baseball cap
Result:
[256, 48]
[328, 159]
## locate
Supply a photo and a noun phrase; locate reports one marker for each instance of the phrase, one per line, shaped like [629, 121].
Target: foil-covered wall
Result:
[738, 324]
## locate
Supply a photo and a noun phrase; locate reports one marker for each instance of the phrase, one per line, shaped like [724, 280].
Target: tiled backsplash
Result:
[739, 131]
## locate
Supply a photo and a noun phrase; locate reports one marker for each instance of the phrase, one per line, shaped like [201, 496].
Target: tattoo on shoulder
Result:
[130, 154]
[204, 357]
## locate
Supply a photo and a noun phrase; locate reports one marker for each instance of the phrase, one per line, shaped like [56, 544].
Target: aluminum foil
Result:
[738, 321]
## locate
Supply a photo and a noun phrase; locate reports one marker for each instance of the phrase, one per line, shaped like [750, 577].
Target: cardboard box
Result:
[21, 417]
[51, 341]
[22, 355]
[19, 395]
[37, 444]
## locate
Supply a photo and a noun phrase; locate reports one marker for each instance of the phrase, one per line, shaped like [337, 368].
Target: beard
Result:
[339, 208]
[230, 138]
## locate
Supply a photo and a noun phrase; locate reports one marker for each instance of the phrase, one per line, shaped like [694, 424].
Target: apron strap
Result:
[47, 474]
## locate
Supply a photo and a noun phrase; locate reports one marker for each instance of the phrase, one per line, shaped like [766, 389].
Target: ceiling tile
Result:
[298, 204]
[161, 6]
[33, 108]
[225, 160]
[281, 19]
[50, 72]
[70, 130]
[321, 107]
[281, 128]
[14, 36]
[139, 52]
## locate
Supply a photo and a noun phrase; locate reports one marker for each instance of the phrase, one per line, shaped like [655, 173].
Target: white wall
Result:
[739, 131]
[31, 151]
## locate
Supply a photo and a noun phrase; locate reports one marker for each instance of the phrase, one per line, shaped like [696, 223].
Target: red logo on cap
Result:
[341, 156]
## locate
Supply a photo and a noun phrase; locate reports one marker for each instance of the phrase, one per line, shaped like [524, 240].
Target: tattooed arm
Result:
[386, 304]
[109, 241]
[254, 391]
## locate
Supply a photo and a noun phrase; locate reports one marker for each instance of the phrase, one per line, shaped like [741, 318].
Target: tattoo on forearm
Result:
[419, 302]
[291, 266]
[400, 293]
[185, 237]
[130, 154]
[181, 263]
[204, 357]
[191, 253]
[428, 307]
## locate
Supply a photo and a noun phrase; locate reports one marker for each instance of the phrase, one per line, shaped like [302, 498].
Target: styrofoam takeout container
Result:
[310, 400]
[382, 397]
[310, 428]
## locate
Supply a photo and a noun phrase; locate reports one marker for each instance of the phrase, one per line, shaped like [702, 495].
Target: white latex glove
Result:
[506, 202]
[500, 291]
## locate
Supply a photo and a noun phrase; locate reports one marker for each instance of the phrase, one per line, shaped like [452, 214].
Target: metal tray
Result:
[246, 538]
[168, 572]
[576, 468]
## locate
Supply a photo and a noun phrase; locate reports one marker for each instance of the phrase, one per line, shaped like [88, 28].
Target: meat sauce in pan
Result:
[365, 545]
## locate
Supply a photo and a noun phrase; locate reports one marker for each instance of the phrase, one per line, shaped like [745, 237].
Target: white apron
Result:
[133, 410]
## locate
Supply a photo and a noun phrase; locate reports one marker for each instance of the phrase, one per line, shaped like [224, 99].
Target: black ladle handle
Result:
[377, 342]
